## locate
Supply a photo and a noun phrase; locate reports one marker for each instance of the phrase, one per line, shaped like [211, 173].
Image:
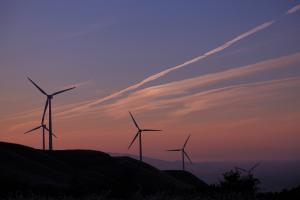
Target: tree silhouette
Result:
[234, 182]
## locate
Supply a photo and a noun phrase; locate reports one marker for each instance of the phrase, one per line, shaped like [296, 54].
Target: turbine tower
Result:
[183, 153]
[48, 103]
[43, 126]
[139, 134]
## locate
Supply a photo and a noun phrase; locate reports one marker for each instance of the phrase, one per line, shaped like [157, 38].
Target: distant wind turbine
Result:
[139, 134]
[48, 103]
[249, 171]
[43, 126]
[183, 153]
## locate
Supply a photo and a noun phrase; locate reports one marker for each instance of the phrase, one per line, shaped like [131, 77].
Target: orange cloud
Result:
[164, 96]
[151, 78]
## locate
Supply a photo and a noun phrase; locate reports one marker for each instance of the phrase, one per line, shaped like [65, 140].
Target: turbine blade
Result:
[61, 91]
[40, 89]
[173, 149]
[186, 141]
[255, 166]
[48, 131]
[187, 157]
[33, 129]
[135, 123]
[54, 135]
[46, 128]
[241, 169]
[136, 135]
[150, 130]
[45, 109]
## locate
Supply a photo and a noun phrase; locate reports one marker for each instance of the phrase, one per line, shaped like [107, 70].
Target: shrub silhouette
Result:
[235, 182]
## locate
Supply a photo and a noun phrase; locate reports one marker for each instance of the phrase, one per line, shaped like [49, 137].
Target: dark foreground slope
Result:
[83, 171]
[187, 177]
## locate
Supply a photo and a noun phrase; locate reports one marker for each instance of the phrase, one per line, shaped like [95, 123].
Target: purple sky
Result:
[226, 72]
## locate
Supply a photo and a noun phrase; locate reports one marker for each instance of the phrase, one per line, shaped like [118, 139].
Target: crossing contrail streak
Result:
[171, 69]
[293, 9]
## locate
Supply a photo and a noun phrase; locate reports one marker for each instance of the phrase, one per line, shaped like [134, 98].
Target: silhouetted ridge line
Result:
[80, 171]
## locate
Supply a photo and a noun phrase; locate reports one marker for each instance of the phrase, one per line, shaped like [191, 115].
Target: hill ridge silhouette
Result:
[83, 171]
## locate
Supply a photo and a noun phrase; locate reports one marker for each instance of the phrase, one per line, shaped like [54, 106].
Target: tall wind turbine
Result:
[43, 126]
[248, 171]
[48, 103]
[139, 134]
[183, 153]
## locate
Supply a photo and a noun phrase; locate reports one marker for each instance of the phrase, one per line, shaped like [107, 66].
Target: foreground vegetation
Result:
[233, 187]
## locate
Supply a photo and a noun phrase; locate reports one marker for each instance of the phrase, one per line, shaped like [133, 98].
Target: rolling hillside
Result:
[84, 171]
[274, 175]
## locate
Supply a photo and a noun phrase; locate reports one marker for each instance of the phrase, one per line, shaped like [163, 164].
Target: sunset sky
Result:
[226, 72]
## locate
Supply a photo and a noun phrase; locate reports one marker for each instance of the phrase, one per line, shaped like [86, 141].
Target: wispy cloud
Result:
[171, 69]
[20, 115]
[24, 126]
[233, 95]
[90, 105]
[84, 31]
[148, 98]
[80, 84]
[33, 117]
[230, 95]
[154, 97]
[164, 96]
[293, 9]
[88, 29]
[37, 111]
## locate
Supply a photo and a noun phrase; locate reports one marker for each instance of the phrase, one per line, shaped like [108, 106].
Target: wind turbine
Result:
[139, 134]
[249, 171]
[48, 103]
[183, 153]
[43, 126]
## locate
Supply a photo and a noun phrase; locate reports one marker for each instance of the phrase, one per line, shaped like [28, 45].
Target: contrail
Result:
[160, 96]
[194, 60]
[171, 69]
[293, 9]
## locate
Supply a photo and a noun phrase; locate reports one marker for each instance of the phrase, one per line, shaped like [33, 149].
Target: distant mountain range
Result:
[274, 175]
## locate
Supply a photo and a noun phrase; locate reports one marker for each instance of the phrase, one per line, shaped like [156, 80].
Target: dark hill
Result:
[187, 177]
[84, 171]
